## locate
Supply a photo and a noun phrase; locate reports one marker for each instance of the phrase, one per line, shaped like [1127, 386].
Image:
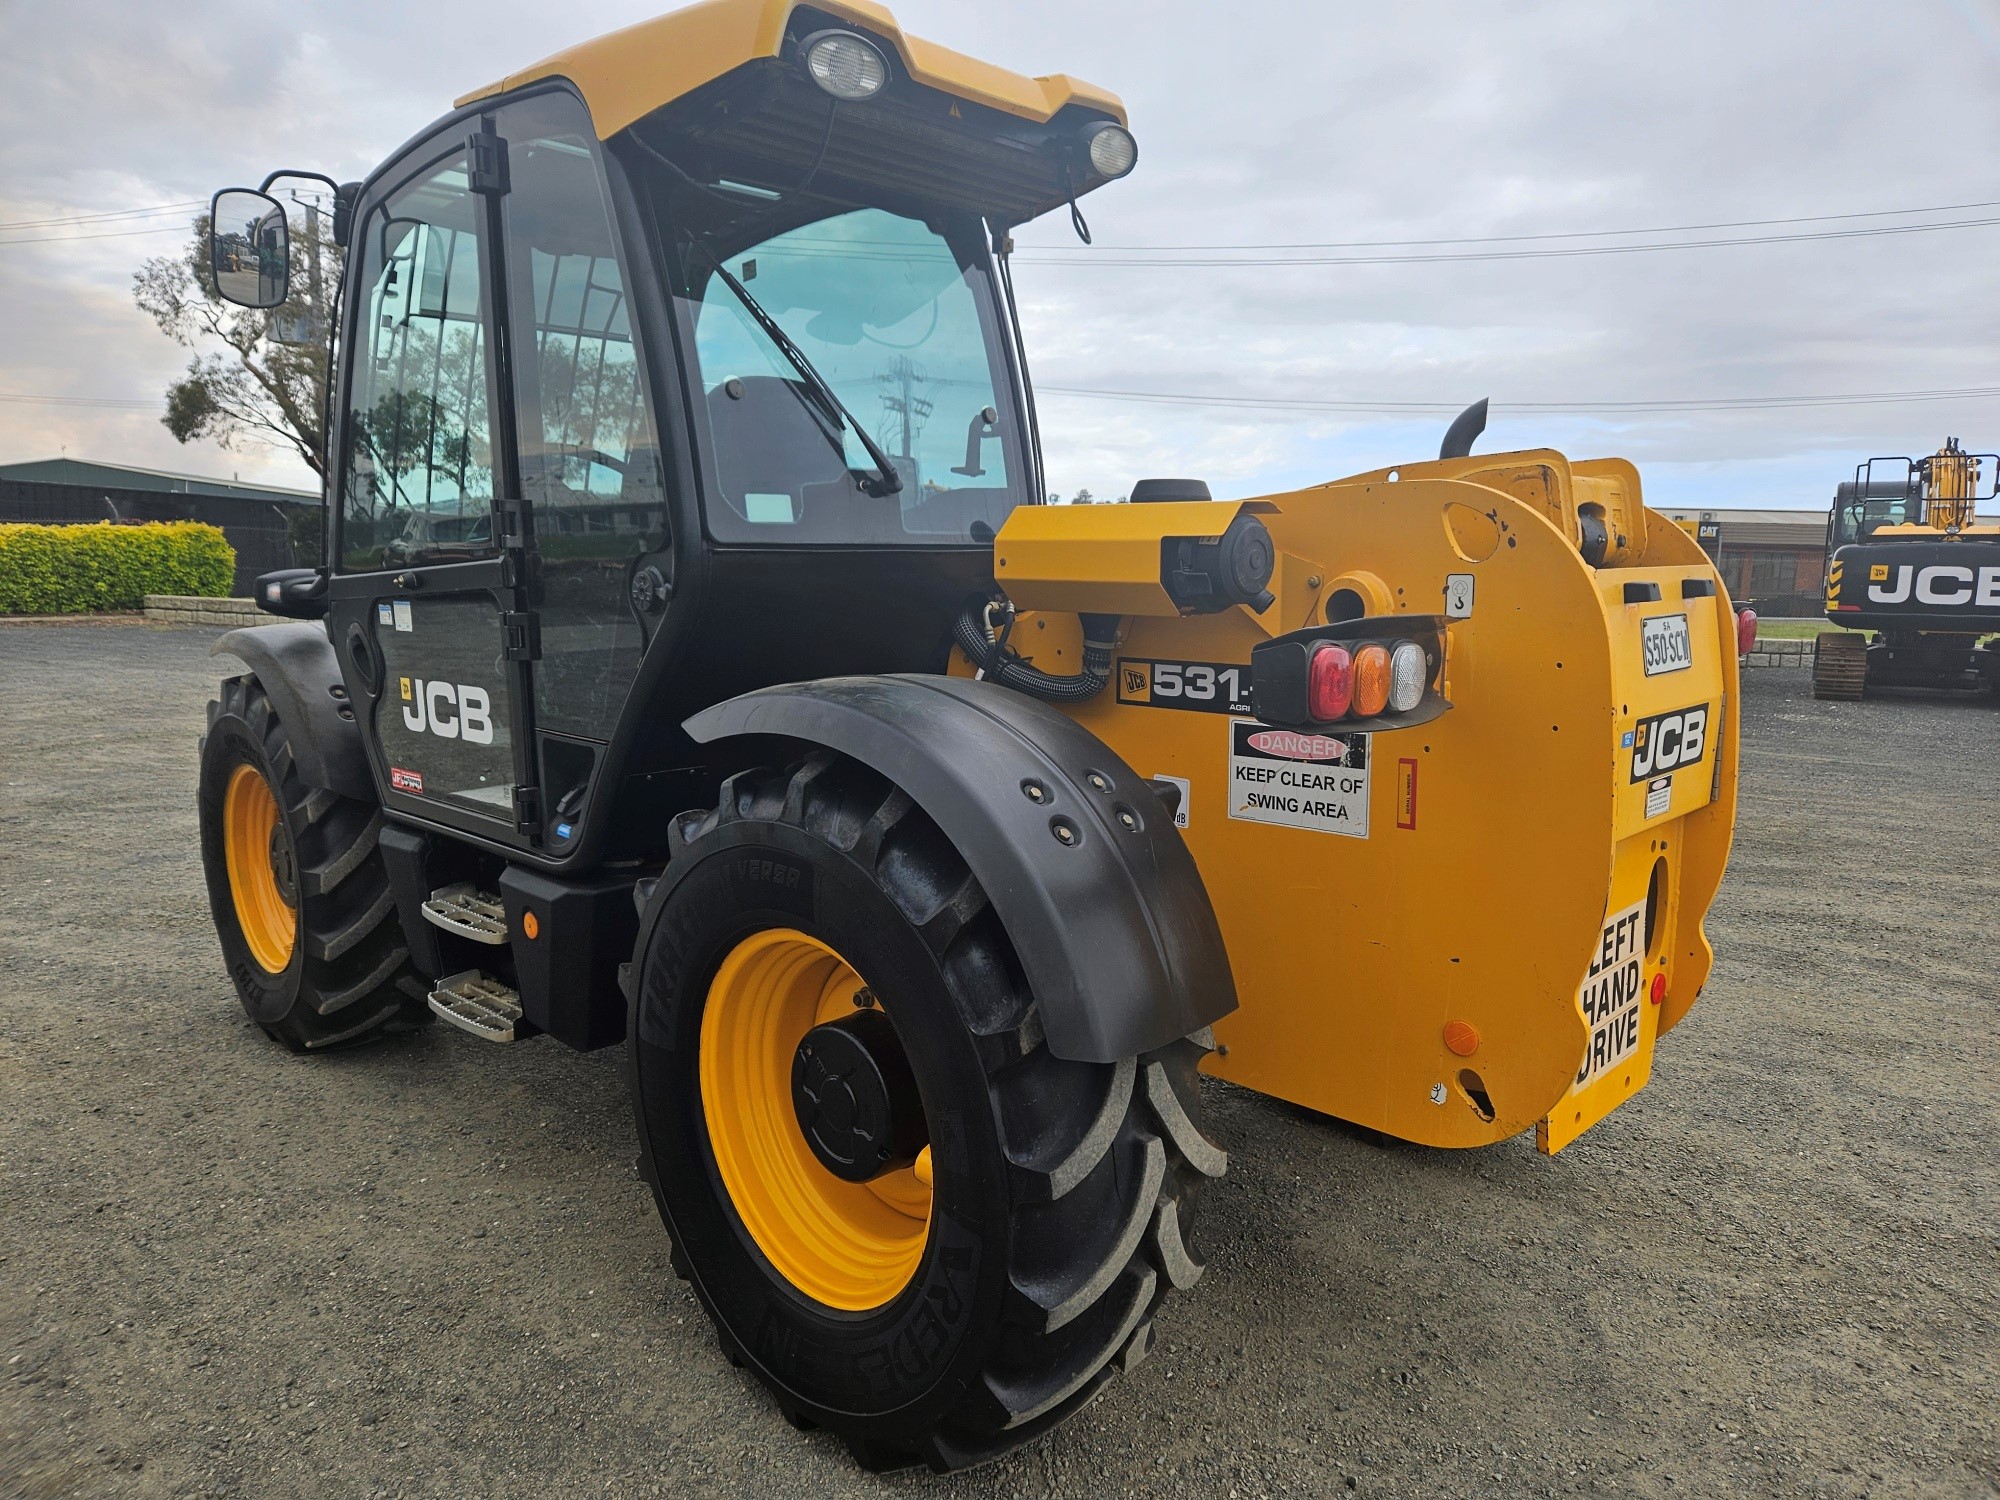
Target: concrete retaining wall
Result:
[223, 614]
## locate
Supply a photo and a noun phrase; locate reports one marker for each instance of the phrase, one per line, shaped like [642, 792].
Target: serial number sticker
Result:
[1610, 993]
[1664, 645]
[1659, 793]
[1666, 742]
[1216, 687]
[1297, 779]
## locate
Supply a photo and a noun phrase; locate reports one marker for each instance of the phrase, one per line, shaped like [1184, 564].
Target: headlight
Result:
[1113, 152]
[845, 65]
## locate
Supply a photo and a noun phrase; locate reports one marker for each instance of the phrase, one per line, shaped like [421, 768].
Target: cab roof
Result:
[626, 75]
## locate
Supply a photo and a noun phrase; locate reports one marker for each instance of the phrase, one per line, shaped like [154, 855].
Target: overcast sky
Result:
[1271, 122]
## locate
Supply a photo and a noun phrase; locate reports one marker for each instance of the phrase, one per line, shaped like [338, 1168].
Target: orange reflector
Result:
[531, 927]
[1371, 680]
[1659, 988]
[1462, 1037]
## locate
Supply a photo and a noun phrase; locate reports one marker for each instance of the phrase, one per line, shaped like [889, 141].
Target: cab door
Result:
[427, 602]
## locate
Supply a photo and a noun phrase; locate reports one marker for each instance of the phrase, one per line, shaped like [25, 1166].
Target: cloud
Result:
[1282, 122]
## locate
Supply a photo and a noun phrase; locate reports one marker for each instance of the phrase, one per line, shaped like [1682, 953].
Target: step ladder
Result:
[475, 1003]
[469, 912]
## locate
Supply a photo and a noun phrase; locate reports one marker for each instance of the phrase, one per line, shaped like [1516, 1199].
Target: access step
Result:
[469, 912]
[477, 1004]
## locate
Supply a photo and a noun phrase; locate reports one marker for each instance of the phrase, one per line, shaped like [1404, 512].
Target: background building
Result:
[1773, 561]
[269, 528]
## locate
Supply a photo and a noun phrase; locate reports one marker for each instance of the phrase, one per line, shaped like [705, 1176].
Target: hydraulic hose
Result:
[977, 640]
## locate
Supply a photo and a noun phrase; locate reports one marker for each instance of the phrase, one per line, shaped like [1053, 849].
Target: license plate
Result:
[1664, 644]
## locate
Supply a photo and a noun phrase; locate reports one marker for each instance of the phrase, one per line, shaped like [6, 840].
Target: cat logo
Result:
[464, 712]
[1666, 742]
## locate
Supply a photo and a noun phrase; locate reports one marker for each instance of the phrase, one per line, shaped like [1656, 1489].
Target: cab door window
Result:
[589, 461]
[418, 486]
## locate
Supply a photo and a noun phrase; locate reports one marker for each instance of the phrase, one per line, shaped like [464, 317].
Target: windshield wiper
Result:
[889, 481]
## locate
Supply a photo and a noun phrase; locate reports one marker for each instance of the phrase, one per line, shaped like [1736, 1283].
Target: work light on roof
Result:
[1113, 152]
[845, 65]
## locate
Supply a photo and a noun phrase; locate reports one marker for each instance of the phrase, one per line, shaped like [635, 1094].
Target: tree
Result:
[1082, 497]
[257, 387]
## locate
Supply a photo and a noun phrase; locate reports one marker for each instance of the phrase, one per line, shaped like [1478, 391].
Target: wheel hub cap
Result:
[856, 1101]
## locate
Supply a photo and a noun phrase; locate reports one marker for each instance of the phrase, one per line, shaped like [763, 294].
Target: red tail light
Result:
[1329, 682]
[1746, 631]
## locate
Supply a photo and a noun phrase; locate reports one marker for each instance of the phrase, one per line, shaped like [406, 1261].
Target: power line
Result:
[113, 403]
[1217, 262]
[1506, 239]
[114, 213]
[109, 234]
[1575, 408]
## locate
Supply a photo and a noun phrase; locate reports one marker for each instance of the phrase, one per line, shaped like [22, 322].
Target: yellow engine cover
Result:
[1450, 932]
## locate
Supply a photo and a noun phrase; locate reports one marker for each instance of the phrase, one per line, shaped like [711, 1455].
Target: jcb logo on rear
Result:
[1666, 742]
[460, 712]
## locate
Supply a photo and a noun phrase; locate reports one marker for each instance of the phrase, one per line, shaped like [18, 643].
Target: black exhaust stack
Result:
[1465, 427]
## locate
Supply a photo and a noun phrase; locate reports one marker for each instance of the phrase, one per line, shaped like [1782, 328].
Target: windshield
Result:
[1857, 519]
[898, 318]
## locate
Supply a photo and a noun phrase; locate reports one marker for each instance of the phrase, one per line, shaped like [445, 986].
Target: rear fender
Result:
[299, 672]
[1113, 927]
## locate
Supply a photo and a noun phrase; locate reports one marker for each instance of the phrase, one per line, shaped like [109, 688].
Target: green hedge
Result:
[66, 570]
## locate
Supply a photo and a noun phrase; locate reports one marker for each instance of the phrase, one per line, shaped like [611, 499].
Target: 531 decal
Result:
[1211, 686]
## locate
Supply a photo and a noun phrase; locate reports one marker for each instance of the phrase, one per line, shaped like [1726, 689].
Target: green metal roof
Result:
[122, 476]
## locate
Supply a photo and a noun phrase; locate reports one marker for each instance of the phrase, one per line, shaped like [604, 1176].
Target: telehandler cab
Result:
[695, 667]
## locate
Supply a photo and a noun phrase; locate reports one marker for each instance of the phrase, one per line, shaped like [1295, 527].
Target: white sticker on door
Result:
[1298, 779]
[1610, 993]
[1659, 795]
[403, 620]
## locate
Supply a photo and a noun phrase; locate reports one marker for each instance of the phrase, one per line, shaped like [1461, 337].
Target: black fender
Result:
[1113, 925]
[299, 671]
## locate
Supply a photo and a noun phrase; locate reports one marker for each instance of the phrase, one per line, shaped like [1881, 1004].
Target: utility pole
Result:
[899, 382]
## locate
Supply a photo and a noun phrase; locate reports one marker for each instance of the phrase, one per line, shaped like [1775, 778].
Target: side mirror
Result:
[249, 248]
[295, 593]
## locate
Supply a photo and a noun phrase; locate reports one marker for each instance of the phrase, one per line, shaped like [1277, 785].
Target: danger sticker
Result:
[1659, 794]
[1298, 779]
[407, 781]
[1610, 993]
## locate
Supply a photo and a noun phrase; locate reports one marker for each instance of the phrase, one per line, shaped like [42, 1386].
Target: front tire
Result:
[299, 892]
[1060, 1194]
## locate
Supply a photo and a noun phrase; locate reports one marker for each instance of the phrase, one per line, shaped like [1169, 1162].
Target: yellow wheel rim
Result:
[253, 840]
[849, 1245]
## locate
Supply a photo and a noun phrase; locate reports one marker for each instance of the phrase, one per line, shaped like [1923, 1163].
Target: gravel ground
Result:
[429, 1268]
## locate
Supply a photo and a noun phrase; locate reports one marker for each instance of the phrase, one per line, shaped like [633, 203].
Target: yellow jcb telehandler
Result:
[696, 668]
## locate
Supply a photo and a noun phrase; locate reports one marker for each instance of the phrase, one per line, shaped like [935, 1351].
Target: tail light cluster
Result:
[1371, 673]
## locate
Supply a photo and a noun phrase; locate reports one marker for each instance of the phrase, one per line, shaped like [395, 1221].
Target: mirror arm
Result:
[290, 172]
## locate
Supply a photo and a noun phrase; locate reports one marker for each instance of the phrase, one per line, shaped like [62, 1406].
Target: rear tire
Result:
[1063, 1193]
[311, 940]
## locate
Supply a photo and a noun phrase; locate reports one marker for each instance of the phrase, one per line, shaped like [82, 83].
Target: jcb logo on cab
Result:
[461, 712]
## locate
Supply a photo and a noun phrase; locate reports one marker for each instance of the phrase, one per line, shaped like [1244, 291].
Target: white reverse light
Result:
[845, 65]
[1409, 670]
[1113, 152]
